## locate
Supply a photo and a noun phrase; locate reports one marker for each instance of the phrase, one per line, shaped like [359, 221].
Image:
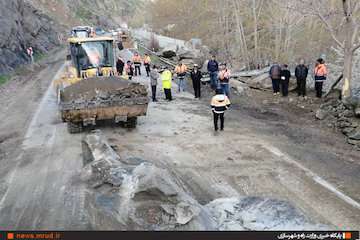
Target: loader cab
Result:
[81, 32]
[92, 57]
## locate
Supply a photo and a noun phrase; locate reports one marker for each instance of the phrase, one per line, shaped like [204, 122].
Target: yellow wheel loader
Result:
[89, 91]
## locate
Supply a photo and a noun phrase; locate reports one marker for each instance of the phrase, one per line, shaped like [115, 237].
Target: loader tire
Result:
[74, 127]
[131, 122]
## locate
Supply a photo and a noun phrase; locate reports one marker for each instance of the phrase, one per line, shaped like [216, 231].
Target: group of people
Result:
[219, 75]
[180, 73]
[280, 76]
[219, 78]
[133, 67]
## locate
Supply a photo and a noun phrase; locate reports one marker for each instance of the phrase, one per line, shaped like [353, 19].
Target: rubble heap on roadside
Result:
[343, 117]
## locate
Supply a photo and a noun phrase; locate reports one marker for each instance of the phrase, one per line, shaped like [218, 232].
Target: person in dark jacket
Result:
[301, 72]
[120, 66]
[213, 68]
[285, 79]
[275, 72]
[196, 80]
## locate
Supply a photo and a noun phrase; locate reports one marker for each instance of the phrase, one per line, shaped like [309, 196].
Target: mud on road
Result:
[40, 160]
[269, 150]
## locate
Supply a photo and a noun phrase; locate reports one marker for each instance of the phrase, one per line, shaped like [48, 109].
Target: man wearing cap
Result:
[219, 104]
[196, 80]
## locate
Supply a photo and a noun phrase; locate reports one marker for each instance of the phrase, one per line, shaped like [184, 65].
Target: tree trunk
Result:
[255, 31]
[241, 33]
[348, 59]
[348, 51]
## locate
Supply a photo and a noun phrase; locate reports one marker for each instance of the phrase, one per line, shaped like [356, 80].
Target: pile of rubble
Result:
[103, 92]
[342, 117]
[134, 194]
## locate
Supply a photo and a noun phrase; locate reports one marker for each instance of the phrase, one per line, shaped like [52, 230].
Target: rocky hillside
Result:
[39, 23]
[105, 13]
[22, 25]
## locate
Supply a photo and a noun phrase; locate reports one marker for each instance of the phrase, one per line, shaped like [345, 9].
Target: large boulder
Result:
[321, 114]
[101, 161]
[354, 101]
[262, 81]
[257, 213]
[355, 135]
[239, 87]
[145, 196]
[192, 56]
[150, 199]
[169, 51]
[185, 53]
[158, 193]
[357, 111]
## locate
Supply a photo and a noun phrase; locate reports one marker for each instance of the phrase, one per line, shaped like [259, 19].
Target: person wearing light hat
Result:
[219, 104]
[196, 80]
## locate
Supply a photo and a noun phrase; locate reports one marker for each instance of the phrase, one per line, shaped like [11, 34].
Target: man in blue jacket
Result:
[213, 68]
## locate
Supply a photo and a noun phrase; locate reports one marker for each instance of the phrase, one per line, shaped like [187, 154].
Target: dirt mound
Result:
[103, 92]
[89, 88]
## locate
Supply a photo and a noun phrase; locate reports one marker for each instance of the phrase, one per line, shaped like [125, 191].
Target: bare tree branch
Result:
[356, 47]
[329, 27]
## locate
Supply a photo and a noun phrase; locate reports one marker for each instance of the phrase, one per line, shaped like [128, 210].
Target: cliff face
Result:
[104, 13]
[22, 26]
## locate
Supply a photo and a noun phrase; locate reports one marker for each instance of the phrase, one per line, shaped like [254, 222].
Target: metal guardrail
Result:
[164, 60]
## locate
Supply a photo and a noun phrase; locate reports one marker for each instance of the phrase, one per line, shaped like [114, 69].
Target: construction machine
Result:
[89, 90]
[124, 39]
